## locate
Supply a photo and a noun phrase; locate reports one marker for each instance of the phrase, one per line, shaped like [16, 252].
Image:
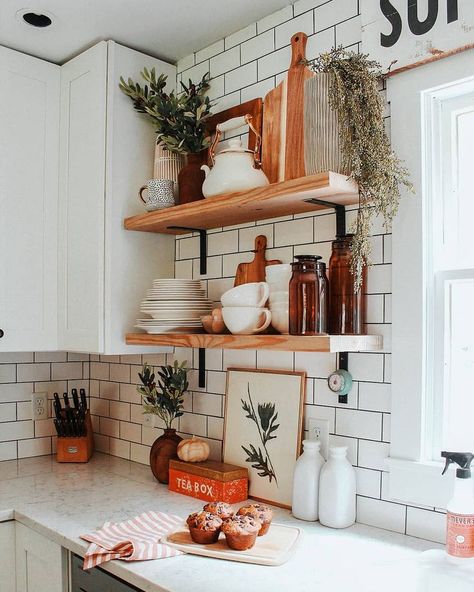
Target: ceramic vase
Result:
[191, 178]
[167, 166]
[163, 449]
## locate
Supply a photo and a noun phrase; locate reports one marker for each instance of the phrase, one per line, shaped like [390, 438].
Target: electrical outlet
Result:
[148, 420]
[319, 430]
[39, 405]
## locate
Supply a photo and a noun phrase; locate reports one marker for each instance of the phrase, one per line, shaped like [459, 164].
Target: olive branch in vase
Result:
[265, 419]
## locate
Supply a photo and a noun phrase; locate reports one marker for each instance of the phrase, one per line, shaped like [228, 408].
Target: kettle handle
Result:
[232, 124]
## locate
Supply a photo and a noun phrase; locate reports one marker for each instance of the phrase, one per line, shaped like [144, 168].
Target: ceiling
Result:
[168, 29]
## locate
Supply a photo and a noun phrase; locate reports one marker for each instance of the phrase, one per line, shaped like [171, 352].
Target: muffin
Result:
[241, 532]
[220, 509]
[204, 527]
[260, 512]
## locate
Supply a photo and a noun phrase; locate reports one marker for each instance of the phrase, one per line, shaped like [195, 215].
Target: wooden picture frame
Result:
[263, 426]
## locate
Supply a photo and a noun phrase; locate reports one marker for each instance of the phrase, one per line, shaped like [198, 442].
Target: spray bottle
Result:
[460, 527]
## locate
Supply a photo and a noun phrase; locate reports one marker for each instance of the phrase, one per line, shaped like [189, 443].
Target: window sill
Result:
[419, 483]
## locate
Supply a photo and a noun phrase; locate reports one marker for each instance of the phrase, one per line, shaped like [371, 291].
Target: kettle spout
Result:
[206, 169]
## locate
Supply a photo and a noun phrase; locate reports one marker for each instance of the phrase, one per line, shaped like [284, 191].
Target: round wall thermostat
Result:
[340, 382]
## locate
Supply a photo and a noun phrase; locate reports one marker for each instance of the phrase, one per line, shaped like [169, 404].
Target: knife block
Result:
[76, 449]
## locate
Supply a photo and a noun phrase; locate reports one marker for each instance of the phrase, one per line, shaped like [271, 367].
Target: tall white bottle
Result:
[337, 490]
[306, 481]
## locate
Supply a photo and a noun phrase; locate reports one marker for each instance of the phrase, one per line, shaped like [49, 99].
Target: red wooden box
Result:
[209, 481]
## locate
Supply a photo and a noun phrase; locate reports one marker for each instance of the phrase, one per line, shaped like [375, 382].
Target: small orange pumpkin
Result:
[193, 450]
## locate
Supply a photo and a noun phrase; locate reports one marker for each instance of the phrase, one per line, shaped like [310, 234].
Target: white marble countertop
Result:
[62, 501]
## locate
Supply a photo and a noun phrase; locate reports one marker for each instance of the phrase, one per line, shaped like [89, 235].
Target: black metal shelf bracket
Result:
[343, 364]
[202, 368]
[202, 245]
[340, 213]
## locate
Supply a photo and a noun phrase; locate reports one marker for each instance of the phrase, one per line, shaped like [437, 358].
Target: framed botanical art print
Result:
[263, 427]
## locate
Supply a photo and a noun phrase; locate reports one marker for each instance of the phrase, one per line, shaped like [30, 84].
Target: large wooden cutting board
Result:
[274, 548]
[283, 119]
[255, 270]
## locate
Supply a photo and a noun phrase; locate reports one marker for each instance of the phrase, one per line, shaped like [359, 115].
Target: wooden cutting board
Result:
[255, 270]
[274, 548]
[283, 119]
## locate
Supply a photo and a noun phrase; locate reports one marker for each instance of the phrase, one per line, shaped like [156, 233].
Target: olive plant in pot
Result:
[349, 83]
[163, 396]
[180, 123]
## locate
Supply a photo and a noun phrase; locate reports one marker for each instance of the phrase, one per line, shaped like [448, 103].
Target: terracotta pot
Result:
[163, 449]
[191, 178]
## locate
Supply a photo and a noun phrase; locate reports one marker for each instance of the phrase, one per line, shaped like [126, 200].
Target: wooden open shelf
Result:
[272, 201]
[318, 343]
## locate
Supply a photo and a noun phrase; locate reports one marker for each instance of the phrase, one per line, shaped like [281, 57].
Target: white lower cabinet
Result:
[7, 557]
[41, 565]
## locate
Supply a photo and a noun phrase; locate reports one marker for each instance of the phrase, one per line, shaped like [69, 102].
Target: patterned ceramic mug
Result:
[159, 195]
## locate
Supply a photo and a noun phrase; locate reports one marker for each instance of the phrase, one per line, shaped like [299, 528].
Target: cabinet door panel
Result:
[81, 208]
[40, 563]
[132, 259]
[7, 556]
[29, 128]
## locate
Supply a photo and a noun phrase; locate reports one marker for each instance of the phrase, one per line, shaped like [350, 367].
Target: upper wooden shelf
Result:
[318, 343]
[272, 201]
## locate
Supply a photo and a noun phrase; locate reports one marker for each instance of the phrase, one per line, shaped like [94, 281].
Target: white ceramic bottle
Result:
[306, 481]
[337, 490]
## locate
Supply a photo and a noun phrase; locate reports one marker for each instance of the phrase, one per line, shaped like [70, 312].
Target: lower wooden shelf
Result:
[317, 343]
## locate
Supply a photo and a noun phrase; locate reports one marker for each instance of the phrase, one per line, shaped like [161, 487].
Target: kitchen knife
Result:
[83, 399]
[66, 400]
[58, 400]
[57, 407]
[75, 398]
[57, 425]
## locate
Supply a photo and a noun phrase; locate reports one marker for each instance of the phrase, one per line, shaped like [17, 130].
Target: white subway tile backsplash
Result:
[373, 455]
[209, 52]
[379, 279]
[274, 63]
[195, 73]
[189, 423]
[284, 32]
[278, 360]
[239, 358]
[230, 263]
[359, 424]
[272, 20]
[375, 308]
[140, 453]
[260, 89]
[374, 396]
[120, 372]
[34, 447]
[316, 365]
[426, 524]
[241, 35]
[66, 371]
[16, 357]
[329, 13]
[324, 228]
[368, 482]
[32, 372]
[119, 410]
[294, 232]
[225, 242]
[99, 370]
[49, 357]
[381, 514]
[7, 412]
[366, 366]
[316, 411]
[228, 60]
[16, 430]
[185, 63]
[119, 448]
[207, 404]
[323, 395]
[8, 450]
[350, 443]
[215, 428]
[257, 47]
[132, 432]
[348, 32]
[243, 76]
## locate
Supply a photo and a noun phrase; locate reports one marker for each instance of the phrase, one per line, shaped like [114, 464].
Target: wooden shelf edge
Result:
[317, 343]
[260, 203]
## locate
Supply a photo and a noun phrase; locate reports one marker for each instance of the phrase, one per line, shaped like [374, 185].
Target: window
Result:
[432, 124]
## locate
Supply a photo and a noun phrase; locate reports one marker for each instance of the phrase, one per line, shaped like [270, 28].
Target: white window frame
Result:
[411, 95]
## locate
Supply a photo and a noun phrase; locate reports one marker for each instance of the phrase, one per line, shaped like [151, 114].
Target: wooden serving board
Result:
[255, 270]
[283, 119]
[274, 548]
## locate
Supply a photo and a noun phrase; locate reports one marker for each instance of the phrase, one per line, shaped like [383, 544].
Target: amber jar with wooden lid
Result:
[347, 308]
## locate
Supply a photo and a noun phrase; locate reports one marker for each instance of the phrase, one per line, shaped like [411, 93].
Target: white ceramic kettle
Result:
[234, 168]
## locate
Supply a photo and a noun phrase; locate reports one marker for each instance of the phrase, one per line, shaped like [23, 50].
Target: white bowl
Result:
[280, 319]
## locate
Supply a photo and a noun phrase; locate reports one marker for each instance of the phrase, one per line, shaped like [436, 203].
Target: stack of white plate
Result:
[175, 306]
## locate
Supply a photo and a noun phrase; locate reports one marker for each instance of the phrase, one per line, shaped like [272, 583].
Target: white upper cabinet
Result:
[106, 154]
[29, 134]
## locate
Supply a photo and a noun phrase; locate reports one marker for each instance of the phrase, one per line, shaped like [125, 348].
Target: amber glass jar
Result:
[323, 309]
[346, 307]
[304, 296]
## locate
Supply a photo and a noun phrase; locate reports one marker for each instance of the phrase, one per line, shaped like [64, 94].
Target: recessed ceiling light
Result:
[37, 20]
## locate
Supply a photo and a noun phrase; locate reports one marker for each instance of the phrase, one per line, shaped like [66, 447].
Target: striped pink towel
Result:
[136, 539]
